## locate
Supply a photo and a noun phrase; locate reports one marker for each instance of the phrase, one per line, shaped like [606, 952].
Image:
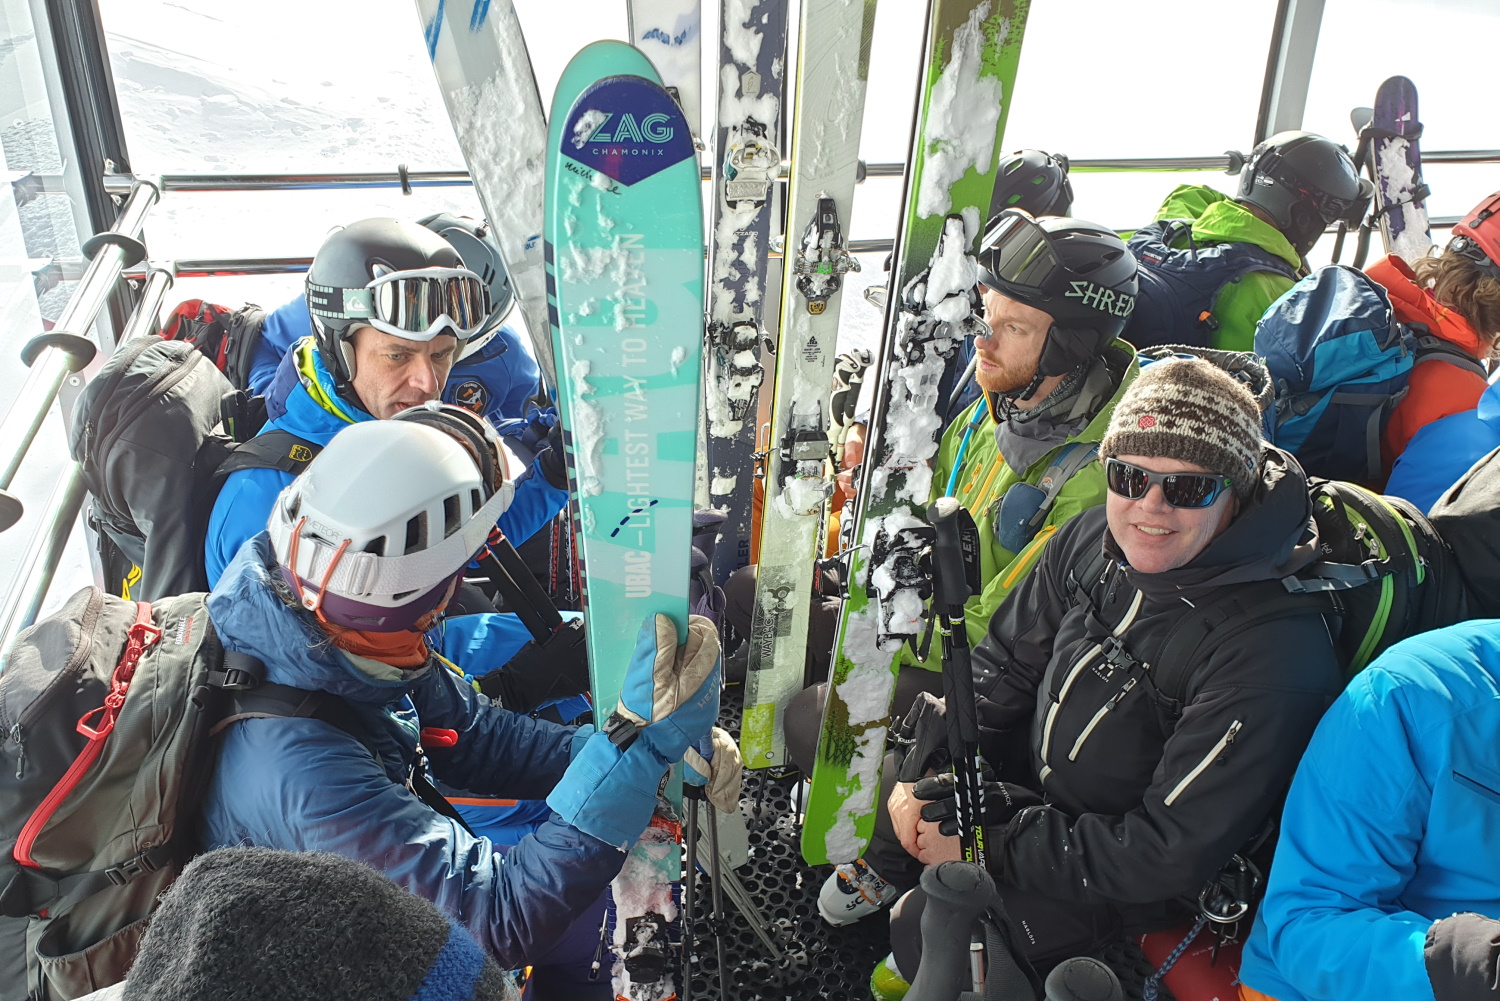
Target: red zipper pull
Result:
[434, 737]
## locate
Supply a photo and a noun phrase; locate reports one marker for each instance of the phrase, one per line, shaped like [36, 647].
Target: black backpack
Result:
[226, 337]
[1468, 516]
[156, 433]
[1178, 288]
[109, 709]
[1385, 574]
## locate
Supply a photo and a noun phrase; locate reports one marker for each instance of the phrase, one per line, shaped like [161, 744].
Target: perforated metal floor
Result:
[818, 961]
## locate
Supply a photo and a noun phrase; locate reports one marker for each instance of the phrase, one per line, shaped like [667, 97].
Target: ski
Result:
[484, 73]
[971, 52]
[752, 51]
[670, 34]
[1395, 161]
[624, 253]
[832, 70]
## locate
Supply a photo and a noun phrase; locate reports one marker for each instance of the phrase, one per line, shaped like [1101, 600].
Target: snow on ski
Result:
[832, 71]
[670, 34]
[624, 256]
[752, 52]
[1396, 161]
[972, 49]
[484, 73]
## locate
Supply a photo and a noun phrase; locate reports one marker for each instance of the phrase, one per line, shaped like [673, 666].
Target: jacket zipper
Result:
[1084, 661]
[1208, 759]
[1106, 708]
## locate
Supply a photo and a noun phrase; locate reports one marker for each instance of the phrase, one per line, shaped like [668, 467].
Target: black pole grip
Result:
[950, 577]
[957, 893]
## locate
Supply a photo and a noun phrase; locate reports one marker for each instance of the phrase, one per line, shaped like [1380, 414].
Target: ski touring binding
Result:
[750, 166]
[822, 260]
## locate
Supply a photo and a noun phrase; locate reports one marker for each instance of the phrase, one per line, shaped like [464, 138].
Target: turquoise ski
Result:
[624, 254]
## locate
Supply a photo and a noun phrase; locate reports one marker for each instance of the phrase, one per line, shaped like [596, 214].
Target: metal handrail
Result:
[117, 183]
[65, 349]
[38, 566]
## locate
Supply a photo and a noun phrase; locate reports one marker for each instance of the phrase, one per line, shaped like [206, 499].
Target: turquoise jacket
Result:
[1392, 823]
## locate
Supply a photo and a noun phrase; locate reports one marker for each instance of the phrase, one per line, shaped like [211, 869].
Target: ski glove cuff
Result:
[922, 738]
[713, 764]
[609, 793]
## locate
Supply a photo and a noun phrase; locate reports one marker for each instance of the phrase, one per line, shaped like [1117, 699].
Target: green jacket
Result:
[1217, 218]
[983, 478]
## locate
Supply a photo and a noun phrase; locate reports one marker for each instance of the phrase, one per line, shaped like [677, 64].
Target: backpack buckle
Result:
[123, 873]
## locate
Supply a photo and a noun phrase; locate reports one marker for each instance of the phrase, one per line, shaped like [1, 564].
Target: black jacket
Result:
[1148, 799]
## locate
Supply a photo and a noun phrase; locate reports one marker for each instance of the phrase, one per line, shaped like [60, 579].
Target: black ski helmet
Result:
[1080, 273]
[347, 262]
[476, 245]
[1305, 183]
[1035, 181]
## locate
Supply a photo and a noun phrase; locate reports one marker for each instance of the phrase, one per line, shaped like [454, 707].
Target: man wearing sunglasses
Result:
[392, 307]
[1211, 264]
[1115, 803]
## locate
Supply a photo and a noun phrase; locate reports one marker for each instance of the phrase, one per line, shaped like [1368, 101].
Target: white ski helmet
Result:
[372, 534]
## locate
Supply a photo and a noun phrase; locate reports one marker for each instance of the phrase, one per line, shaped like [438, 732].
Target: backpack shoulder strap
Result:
[1430, 347]
[268, 700]
[1219, 618]
[1082, 578]
[270, 450]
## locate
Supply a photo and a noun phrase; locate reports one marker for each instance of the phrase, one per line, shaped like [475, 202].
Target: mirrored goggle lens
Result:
[414, 304]
[1017, 250]
[1187, 490]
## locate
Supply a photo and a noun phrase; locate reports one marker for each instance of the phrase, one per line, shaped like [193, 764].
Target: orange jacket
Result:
[1436, 389]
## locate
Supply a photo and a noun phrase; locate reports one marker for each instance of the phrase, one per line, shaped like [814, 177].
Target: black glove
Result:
[1001, 801]
[922, 738]
[553, 669]
[552, 460]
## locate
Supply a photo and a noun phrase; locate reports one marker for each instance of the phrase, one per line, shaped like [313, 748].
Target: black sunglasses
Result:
[1185, 490]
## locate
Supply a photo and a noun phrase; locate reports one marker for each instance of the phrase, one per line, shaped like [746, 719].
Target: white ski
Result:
[670, 34]
[832, 72]
[484, 73]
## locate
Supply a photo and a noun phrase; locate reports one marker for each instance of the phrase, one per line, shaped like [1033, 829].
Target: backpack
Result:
[110, 708]
[1385, 574]
[1340, 362]
[1468, 516]
[156, 433]
[226, 337]
[1178, 288]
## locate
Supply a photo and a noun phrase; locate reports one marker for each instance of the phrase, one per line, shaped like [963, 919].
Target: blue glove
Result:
[669, 700]
[713, 765]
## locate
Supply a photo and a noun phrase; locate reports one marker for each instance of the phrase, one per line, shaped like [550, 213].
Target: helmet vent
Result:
[475, 501]
[416, 533]
[452, 515]
[376, 547]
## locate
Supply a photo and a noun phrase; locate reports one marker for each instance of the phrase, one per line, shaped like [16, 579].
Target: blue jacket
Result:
[303, 785]
[495, 381]
[244, 504]
[1441, 452]
[1392, 823]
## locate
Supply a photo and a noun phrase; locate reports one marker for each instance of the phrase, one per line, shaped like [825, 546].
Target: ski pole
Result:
[690, 880]
[717, 890]
[952, 552]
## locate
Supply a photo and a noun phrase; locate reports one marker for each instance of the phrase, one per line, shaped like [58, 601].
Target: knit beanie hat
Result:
[1189, 409]
[252, 923]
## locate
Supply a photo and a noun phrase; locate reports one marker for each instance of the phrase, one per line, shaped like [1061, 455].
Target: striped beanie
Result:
[1190, 409]
[294, 926]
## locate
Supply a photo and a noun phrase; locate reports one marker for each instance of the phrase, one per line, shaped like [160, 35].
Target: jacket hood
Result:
[252, 619]
[1217, 218]
[301, 398]
[1414, 304]
[1272, 536]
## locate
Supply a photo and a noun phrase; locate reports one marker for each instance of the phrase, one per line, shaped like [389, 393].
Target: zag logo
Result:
[651, 129]
[627, 129]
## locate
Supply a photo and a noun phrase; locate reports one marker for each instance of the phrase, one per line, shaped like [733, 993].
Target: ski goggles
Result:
[1184, 490]
[414, 305]
[1016, 251]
